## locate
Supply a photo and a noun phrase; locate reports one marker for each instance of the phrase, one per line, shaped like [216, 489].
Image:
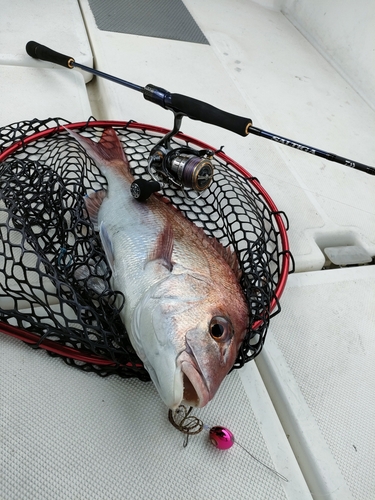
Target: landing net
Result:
[55, 290]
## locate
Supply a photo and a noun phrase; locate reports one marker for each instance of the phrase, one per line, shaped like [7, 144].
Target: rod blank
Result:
[114, 79]
[314, 151]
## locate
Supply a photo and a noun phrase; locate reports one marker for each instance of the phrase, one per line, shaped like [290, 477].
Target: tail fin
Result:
[107, 152]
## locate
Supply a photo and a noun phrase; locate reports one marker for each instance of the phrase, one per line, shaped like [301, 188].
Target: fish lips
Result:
[167, 380]
[187, 384]
[196, 392]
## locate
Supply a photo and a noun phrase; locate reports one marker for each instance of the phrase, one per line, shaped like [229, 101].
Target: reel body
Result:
[183, 167]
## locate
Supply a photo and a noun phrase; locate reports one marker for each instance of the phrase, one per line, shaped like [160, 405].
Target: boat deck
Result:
[305, 406]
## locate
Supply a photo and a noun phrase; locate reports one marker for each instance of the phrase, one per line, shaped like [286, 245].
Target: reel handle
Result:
[39, 51]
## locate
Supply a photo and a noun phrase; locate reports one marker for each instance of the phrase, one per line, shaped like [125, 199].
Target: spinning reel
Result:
[185, 168]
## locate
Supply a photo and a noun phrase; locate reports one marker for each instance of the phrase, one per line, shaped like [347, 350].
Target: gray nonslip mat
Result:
[157, 18]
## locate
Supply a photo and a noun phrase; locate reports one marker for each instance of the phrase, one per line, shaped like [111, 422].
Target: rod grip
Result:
[199, 110]
[39, 51]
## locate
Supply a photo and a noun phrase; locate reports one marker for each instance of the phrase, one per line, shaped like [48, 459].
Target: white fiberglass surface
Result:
[318, 365]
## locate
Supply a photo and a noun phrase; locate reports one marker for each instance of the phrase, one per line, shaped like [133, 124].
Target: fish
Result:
[184, 312]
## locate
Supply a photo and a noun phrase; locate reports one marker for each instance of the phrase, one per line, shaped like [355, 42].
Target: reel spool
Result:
[184, 167]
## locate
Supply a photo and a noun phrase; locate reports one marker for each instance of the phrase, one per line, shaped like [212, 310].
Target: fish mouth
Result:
[195, 390]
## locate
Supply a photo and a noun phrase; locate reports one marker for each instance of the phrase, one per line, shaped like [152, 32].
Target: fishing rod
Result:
[183, 105]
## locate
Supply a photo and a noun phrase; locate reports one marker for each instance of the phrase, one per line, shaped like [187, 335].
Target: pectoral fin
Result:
[163, 248]
[93, 203]
[107, 246]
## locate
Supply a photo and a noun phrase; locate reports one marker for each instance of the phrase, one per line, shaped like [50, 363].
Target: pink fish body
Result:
[184, 310]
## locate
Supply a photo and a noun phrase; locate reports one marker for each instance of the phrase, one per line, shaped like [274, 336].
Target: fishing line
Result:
[221, 437]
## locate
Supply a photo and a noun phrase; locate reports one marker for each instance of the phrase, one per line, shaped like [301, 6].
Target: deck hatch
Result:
[155, 18]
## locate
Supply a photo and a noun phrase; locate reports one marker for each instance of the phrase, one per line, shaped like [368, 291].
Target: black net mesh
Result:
[54, 278]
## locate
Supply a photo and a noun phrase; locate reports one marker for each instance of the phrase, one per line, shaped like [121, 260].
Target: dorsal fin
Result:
[226, 253]
[229, 256]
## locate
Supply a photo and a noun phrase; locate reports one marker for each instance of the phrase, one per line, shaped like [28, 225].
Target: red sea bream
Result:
[185, 312]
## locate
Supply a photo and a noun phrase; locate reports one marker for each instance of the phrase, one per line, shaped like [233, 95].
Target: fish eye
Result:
[220, 329]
